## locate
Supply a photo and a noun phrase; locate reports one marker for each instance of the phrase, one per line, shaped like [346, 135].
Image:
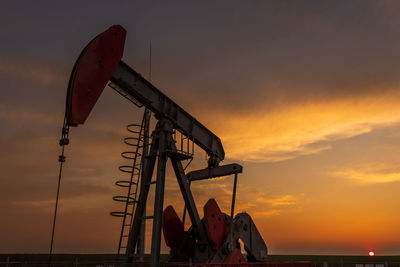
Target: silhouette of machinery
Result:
[212, 239]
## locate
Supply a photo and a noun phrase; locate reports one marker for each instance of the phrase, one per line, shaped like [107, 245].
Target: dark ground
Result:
[107, 259]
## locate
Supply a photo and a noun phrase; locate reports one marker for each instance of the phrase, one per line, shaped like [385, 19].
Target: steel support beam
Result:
[188, 198]
[141, 239]
[134, 87]
[219, 171]
[159, 194]
[162, 147]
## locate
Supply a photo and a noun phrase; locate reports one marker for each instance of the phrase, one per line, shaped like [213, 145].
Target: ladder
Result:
[138, 141]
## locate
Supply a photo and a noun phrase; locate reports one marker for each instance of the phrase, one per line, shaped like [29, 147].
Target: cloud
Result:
[267, 213]
[45, 205]
[304, 128]
[27, 114]
[275, 205]
[252, 200]
[73, 194]
[259, 203]
[31, 71]
[370, 173]
[285, 200]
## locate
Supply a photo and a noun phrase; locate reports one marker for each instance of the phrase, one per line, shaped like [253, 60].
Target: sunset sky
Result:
[304, 94]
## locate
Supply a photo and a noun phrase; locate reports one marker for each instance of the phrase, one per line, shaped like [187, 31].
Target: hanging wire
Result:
[63, 142]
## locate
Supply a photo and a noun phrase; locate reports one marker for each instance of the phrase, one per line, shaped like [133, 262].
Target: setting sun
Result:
[371, 253]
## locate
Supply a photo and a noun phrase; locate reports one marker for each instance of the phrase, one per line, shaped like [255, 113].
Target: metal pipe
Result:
[233, 196]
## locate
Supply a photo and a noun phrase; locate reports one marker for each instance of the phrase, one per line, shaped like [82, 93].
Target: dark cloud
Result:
[275, 51]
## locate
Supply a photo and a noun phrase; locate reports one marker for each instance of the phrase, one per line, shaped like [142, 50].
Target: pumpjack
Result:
[212, 239]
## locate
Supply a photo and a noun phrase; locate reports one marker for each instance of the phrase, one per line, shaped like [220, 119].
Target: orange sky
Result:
[305, 97]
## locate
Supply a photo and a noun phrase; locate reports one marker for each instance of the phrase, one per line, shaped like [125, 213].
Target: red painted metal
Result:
[173, 228]
[91, 72]
[235, 257]
[215, 223]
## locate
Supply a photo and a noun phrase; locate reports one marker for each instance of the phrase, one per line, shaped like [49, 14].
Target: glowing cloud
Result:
[305, 128]
[370, 174]
[285, 200]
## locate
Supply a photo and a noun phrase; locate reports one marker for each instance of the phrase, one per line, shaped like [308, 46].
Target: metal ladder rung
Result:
[135, 154]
